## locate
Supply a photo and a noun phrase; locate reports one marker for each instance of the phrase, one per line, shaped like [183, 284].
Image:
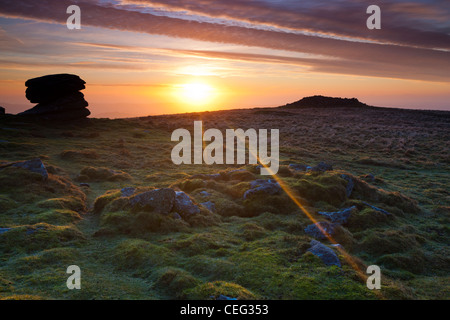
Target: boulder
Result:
[51, 87]
[2, 111]
[259, 186]
[34, 165]
[322, 166]
[58, 97]
[340, 216]
[184, 205]
[158, 200]
[209, 205]
[327, 255]
[320, 230]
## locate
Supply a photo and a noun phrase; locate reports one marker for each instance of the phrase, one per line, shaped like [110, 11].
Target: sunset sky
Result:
[157, 57]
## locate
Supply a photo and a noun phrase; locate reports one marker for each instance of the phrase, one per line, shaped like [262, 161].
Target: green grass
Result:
[248, 249]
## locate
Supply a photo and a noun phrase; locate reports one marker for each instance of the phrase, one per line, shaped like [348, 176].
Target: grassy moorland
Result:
[248, 248]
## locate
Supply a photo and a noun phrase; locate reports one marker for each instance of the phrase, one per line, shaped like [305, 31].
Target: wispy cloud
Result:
[402, 52]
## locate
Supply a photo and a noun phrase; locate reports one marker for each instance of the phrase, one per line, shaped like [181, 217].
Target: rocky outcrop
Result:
[58, 97]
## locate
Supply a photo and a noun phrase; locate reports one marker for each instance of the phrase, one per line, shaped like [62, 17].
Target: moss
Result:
[175, 282]
[102, 174]
[37, 237]
[6, 203]
[56, 216]
[366, 219]
[324, 187]
[389, 241]
[253, 231]
[59, 258]
[63, 203]
[139, 255]
[86, 154]
[213, 290]
[260, 203]
[144, 222]
[191, 184]
[101, 202]
[413, 261]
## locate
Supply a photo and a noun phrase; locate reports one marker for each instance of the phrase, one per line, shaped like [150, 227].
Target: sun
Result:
[196, 93]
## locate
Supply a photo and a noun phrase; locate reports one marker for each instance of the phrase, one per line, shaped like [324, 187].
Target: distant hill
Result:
[325, 102]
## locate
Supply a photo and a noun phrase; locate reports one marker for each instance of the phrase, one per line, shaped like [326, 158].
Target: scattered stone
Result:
[159, 200]
[350, 185]
[209, 205]
[320, 230]
[322, 166]
[298, 167]
[34, 165]
[176, 216]
[205, 194]
[214, 176]
[340, 216]
[326, 254]
[58, 98]
[85, 185]
[127, 192]
[377, 209]
[222, 297]
[184, 205]
[269, 187]
[3, 230]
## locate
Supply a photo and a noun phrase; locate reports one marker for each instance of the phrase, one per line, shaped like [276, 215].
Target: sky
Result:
[142, 57]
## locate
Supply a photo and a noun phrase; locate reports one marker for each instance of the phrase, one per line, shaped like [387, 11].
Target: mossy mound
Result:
[39, 236]
[212, 290]
[90, 174]
[175, 283]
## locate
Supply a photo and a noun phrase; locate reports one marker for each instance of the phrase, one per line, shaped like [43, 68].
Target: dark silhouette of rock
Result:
[51, 87]
[2, 111]
[58, 97]
[326, 102]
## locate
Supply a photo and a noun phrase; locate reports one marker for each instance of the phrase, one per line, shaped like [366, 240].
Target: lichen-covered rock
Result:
[298, 167]
[259, 186]
[158, 200]
[34, 165]
[209, 205]
[320, 230]
[184, 205]
[327, 255]
[127, 192]
[340, 216]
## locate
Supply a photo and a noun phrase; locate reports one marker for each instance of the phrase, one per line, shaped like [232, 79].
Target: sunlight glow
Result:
[195, 93]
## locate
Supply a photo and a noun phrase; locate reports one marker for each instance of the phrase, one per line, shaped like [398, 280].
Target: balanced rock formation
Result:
[58, 97]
